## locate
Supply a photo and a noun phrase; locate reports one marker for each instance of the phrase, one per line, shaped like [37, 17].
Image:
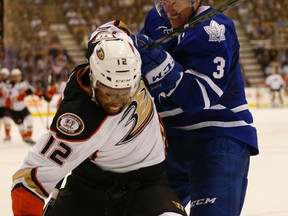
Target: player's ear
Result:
[121, 25]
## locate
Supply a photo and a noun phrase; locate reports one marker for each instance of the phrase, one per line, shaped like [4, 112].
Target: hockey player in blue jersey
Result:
[198, 89]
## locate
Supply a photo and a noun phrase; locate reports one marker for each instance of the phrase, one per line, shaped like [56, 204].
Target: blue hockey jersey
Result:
[209, 99]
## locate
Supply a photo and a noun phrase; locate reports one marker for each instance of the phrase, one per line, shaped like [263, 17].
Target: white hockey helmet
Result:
[4, 71]
[16, 72]
[115, 63]
[112, 29]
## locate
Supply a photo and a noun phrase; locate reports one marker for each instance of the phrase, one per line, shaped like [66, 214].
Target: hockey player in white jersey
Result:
[4, 98]
[276, 83]
[107, 132]
[18, 108]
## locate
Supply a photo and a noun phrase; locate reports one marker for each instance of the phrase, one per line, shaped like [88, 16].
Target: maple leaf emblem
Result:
[215, 31]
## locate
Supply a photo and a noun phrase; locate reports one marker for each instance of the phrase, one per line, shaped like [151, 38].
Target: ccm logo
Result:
[203, 201]
[123, 80]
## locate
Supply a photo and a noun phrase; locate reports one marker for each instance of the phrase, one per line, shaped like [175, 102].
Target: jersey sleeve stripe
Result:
[30, 179]
[204, 94]
[171, 112]
[213, 86]
[215, 124]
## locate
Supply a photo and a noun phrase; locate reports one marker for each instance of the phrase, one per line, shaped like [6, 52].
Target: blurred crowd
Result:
[266, 23]
[84, 16]
[32, 46]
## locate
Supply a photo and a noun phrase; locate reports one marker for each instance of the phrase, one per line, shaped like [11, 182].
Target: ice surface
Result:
[267, 190]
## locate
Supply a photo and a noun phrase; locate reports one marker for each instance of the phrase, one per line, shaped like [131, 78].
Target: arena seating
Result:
[34, 47]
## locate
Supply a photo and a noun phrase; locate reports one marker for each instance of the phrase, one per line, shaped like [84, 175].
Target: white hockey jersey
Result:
[17, 95]
[80, 129]
[4, 92]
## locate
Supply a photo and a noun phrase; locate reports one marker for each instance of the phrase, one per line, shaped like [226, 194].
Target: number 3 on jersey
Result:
[56, 152]
[220, 67]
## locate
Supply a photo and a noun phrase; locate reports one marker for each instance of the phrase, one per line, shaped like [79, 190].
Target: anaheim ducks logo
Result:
[139, 114]
[100, 53]
[70, 124]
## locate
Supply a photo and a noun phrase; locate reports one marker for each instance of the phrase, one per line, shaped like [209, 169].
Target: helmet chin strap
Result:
[93, 97]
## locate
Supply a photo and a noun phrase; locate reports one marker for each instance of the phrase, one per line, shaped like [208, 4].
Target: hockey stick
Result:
[37, 109]
[194, 22]
[48, 115]
[49, 83]
[54, 195]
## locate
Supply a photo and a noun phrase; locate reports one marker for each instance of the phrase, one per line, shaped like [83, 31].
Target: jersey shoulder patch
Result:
[215, 31]
[77, 117]
[70, 124]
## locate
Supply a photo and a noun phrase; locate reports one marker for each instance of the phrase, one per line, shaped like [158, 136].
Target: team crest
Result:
[138, 114]
[70, 124]
[215, 31]
[100, 53]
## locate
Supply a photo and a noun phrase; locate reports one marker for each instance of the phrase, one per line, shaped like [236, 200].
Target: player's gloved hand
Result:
[47, 96]
[159, 70]
[21, 96]
[39, 93]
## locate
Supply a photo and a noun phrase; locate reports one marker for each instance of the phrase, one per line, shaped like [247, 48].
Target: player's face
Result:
[3, 77]
[112, 100]
[16, 78]
[177, 11]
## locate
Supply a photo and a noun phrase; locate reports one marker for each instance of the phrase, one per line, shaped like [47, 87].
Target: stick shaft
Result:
[49, 83]
[51, 202]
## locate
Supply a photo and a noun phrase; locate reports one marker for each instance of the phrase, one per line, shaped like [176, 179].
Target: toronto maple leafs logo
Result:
[215, 31]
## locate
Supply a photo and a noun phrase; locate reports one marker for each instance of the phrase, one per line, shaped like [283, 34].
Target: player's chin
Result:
[177, 21]
[113, 110]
